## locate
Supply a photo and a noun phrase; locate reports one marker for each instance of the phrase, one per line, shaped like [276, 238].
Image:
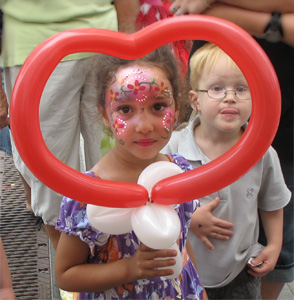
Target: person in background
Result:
[221, 98]
[152, 11]
[5, 144]
[64, 114]
[271, 23]
[139, 101]
[6, 290]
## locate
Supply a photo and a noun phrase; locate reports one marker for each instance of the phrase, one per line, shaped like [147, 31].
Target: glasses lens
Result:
[243, 93]
[216, 92]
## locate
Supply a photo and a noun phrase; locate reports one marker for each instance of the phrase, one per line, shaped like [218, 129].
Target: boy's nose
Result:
[230, 96]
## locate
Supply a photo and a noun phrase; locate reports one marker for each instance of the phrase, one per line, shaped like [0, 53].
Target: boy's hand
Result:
[204, 224]
[264, 262]
[144, 265]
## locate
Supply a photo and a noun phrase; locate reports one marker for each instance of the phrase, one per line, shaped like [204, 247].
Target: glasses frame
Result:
[226, 92]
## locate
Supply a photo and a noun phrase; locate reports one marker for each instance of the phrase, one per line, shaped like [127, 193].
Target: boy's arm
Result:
[273, 227]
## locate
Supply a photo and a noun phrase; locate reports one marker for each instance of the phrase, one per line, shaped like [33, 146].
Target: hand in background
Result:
[181, 7]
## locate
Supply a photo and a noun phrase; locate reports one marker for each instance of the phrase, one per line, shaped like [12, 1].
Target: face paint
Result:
[137, 86]
[168, 123]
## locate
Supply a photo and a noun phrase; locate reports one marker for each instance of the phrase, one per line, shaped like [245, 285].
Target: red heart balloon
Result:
[253, 62]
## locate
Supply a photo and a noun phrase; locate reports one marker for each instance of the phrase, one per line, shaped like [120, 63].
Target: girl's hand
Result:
[146, 262]
[204, 224]
[268, 258]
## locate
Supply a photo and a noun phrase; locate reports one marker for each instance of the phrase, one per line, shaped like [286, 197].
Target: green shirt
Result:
[27, 23]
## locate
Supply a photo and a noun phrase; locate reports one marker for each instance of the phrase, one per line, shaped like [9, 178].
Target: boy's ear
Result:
[193, 96]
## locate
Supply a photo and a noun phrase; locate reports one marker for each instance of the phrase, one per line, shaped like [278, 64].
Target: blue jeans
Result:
[5, 144]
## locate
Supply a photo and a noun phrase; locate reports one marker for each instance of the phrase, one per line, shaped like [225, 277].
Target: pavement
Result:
[29, 252]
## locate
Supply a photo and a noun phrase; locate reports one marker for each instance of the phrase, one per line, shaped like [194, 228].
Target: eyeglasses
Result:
[220, 93]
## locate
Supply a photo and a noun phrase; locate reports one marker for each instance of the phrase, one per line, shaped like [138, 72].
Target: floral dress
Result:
[108, 248]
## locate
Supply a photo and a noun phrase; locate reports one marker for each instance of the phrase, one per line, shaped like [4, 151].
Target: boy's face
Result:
[140, 109]
[228, 114]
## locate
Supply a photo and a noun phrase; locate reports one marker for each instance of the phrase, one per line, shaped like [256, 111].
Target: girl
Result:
[139, 102]
[222, 100]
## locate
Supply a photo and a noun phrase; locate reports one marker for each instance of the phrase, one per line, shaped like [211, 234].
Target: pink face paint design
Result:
[138, 85]
[119, 127]
[168, 123]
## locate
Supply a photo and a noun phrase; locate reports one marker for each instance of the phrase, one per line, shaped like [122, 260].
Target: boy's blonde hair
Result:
[206, 56]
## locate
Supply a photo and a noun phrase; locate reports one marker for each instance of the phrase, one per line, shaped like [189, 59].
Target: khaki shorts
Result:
[64, 116]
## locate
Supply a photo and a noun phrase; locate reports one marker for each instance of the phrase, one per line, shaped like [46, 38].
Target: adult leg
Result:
[27, 190]
[91, 123]
[59, 119]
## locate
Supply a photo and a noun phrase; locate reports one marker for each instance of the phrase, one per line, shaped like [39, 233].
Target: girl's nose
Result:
[144, 122]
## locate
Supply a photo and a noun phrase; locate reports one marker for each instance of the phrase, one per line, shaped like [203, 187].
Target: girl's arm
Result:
[273, 225]
[193, 259]
[74, 275]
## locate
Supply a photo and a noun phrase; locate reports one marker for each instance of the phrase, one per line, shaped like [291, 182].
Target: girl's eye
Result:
[159, 106]
[124, 109]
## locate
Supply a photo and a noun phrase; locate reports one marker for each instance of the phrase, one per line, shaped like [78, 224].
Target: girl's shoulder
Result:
[72, 212]
[180, 161]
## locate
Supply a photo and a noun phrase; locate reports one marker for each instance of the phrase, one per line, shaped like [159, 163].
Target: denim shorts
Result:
[284, 270]
[5, 144]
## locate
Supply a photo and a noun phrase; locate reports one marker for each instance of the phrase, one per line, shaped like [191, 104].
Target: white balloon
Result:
[156, 172]
[157, 226]
[177, 268]
[110, 220]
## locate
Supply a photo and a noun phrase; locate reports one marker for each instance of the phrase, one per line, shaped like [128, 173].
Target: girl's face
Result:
[226, 115]
[140, 110]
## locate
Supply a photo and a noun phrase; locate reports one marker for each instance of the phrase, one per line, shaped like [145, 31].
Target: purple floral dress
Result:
[107, 248]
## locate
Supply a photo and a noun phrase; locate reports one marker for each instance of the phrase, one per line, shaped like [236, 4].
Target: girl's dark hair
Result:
[104, 68]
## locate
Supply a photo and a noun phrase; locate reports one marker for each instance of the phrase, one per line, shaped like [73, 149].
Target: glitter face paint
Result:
[135, 89]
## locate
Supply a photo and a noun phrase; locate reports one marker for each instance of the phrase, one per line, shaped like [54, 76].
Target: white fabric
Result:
[63, 116]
